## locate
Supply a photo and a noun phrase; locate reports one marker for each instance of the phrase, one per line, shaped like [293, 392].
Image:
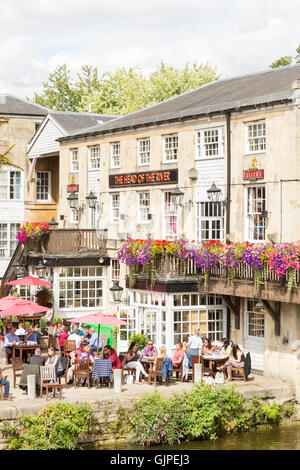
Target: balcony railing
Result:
[72, 241]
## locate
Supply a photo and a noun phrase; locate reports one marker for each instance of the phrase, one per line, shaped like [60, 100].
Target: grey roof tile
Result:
[13, 105]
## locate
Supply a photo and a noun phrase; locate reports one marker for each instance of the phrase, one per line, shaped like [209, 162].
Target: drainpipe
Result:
[228, 176]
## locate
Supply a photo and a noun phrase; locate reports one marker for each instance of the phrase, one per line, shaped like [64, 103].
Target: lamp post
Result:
[116, 292]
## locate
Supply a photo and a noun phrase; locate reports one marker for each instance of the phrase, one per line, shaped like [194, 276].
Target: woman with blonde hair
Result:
[194, 345]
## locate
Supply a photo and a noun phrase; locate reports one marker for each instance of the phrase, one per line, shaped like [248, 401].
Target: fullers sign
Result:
[253, 174]
[144, 178]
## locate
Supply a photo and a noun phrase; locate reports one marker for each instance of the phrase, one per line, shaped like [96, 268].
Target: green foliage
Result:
[59, 426]
[4, 160]
[56, 320]
[142, 340]
[203, 413]
[122, 91]
[1, 325]
[287, 60]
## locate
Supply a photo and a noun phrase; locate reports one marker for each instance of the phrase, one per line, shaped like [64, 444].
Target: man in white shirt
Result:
[75, 337]
[21, 331]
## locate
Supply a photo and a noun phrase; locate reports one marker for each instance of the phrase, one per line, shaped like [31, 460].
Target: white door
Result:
[255, 332]
[127, 314]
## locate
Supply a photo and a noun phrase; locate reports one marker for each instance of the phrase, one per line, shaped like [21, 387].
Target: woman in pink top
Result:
[178, 355]
[64, 335]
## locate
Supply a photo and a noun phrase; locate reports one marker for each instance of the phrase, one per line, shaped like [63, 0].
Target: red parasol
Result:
[23, 307]
[29, 281]
[8, 301]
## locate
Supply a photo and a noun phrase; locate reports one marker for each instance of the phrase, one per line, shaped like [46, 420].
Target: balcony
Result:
[173, 275]
[67, 241]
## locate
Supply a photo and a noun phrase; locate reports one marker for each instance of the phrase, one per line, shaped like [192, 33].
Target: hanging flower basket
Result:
[32, 235]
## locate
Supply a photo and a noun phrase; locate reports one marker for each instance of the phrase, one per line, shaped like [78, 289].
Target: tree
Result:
[287, 60]
[122, 91]
[4, 160]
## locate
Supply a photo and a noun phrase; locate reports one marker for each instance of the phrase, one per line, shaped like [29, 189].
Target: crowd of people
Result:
[88, 342]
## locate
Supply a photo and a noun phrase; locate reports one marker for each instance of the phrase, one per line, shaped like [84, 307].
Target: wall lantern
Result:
[40, 268]
[117, 291]
[177, 196]
[53, 224]
[73, 201]
[214, 193]
[91, 200]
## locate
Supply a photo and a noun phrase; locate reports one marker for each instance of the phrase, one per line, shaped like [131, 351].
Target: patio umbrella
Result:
[8, 301]
[98, 319]
[29, 281]
[23, 307]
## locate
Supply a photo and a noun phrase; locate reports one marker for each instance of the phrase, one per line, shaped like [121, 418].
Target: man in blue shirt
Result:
[93, 341]
[31, 335]
[10, 340]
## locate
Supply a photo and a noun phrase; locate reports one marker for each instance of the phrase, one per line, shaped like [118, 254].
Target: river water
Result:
[284, 437]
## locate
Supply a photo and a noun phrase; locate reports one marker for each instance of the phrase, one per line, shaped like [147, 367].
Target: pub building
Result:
[217, 163]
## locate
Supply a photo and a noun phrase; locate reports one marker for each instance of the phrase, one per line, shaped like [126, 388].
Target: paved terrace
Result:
[256, 385]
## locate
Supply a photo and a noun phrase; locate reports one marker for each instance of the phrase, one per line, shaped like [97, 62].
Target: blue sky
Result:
[235, 36]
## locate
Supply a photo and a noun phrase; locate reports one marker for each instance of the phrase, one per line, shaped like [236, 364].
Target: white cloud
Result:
[235, 36]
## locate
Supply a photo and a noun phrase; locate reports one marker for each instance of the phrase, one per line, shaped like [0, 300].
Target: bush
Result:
[142, 340]
[59, 426]
[204, 413]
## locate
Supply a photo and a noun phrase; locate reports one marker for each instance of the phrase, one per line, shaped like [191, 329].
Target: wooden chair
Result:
[69, 346]
[1, 392]
[195, 360]
[243, 372]
[129, 371]
[206, 369]
[157, 373]
[178, 372]
[48, 380]
[53, 342]
[17, 365]
[82, 371]
[65, 361]
[104, 339]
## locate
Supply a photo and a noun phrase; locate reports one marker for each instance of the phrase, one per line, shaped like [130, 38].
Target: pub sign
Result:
[144, 178]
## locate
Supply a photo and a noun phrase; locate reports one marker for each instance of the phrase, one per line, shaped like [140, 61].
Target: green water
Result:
[285, 437]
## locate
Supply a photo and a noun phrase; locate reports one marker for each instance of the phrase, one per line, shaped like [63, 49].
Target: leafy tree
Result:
[4, 160]
[287, 60]
[122, 91]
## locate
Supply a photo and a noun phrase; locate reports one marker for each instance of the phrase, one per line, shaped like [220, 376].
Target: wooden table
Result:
[214, 358]
[149, 361]
[24, 347]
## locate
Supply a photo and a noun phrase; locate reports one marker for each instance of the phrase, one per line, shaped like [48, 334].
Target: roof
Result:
[269, 86]
[13, 105]
[72, 121]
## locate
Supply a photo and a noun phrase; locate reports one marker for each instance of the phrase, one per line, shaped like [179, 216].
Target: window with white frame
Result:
[210, 143]
[42, 186]
[11, 186]
[115, 207]
[115, 154]
[144, 151]
[196, 311]
[74, 165]
[255, 318]
[143, 207]
[170, 148]
[8, 240]
[170, 217]
[256, 205]
[209, 221]
[94, 157]
[255, 136]
[115, 270]
[81, 287]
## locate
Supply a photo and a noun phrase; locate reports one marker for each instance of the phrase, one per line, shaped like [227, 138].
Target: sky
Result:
[235, 36]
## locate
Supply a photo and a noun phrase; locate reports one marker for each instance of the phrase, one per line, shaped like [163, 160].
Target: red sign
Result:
[73, 188]
[144, 178]
[253, 174]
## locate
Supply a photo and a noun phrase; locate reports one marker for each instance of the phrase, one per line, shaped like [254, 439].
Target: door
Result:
[255, 332]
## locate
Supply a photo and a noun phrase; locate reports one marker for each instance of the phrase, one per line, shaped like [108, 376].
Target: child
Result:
[5, 382]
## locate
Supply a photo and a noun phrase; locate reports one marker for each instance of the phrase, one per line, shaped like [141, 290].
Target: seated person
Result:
[10, 340]
[237, 361]
[226, 347]
[57, 329]
[31, 335]
[178, 355]
[21, 331]
[37, 359]
[87, 353]
[110, 353]
[5, 382]
[77, 326]
[150, 350]
[206, 347]
[162, 354]
[86, 331]
[73, 356]
[167, 365]
[74, 336]
[54, 360]
[132, 361]
[95, 340]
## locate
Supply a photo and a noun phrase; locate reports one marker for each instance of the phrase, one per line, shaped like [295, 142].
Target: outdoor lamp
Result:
[178, 196]
[17, 265]
[40, 267]
[53, 224]
[214, 193]
[116, 291]
[73, 201]
[91, 200]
